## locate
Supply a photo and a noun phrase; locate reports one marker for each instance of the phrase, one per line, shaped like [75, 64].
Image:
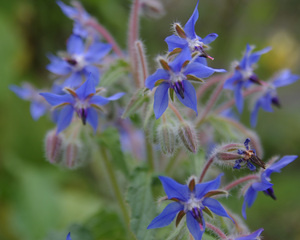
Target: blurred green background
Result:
[37, 198]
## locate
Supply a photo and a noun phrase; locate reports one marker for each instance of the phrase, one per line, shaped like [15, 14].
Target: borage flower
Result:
[243, 75]
[187, 38]
[190, 200]
[79, 61]
[263, 182]
[83, 101]
[253, 236]
[69, 237]
[38, 106]
[81, 19]
[269, 95]
[174, 76]
[248, 157]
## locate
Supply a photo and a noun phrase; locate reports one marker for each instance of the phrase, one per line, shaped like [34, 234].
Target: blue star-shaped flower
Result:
[79, 62]
[175, 76]
[81, 19]
[191, 200]
[264, 184]
[253, 236]
[69, 237]
[243, 75]
[187, 38]
[83, 101]
[269, 95]
[38, 106]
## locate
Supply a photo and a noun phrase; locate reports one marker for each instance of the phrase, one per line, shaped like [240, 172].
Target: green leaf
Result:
[179, 233]
[140, 200]
[110, 139]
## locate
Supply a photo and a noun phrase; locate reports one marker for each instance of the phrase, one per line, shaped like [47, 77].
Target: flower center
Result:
[176, 83]
[77, 62]
[81, 109]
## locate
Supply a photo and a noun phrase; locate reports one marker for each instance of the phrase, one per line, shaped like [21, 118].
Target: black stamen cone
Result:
[255, 79]
[83, 116]
[270, 192]
[71, 61]
[256, 160]
[178, 87]
[275, 101]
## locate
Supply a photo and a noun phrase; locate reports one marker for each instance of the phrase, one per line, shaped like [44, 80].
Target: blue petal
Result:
[92, 118]
[239, 99]
[74, 80]
[254, 113]
[285, 78]
[65, 118]
[37, 109]
[174, 41]
[97, 51]
[254, 57]
[75, 45]
[161, 99]
[166, 216]
[200, 70]
[21, 92]
[276, 167]
[209, 38]
[87, 88]
[216, 207]
[116, 96]
[54, 99]
[69, 237]
[190, 99]
[261, 186]
[252, 236]
[244, 64]
[232, 81]
[189, 27]
[194, 227]
[94, 71]
[202, 188]
[58, 66]
[158, 75]
[249, 199]
[99, 100]
[174, 189]
[201, 60]
[67, 10]
[180, 59]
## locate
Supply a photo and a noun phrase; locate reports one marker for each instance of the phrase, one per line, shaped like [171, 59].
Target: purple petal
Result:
[158, 75]
[166, 216]
[239, 99]
[194, 227]
[232, 81]
[254, 57]
[276, 167]
[200, 70]
[87, 88]
[116, 96]
[67, 10]
[69, 237]
[37, 110]
[190, 99]
[285, 78]
[244, 64]
[75, 45]
[209, 38]
[252, 236]
[202, 188]
[97, 51]
[201, 60]
[174, 41]
[249, 199]
[99, 100]
[94, 71]
[174, 189]
[254, 113]
[189, 27]
[22, 92]
[161, 99]
[216, 207]
[176, 64]
[73, 81]
[54, 99]
[58, 66]
[261, 186]
[92, 118]
[65, 118]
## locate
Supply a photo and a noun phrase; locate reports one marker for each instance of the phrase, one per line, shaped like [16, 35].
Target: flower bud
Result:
[188, 136]
[167, 138]
[53, 146]
[73, 155]
[152, 8]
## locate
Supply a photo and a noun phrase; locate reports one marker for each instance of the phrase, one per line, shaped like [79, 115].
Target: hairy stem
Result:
[142, 61]
[205, 168]
[177, 113]
[241, 180]
[213, 80]
[216, 231]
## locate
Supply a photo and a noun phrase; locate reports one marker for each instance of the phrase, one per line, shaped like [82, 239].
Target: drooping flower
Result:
[80, 61]
[253, 236]
[175, 76]
[84, 101]
[69, 237]
[263, 183]
[248, 157]
[187, 38]
[269, 95]
[38, 106]
[243, 75]
[81, 19]
[190, 200]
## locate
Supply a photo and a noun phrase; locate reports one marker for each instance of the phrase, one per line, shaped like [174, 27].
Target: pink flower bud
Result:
[53, 146]
[188, 136]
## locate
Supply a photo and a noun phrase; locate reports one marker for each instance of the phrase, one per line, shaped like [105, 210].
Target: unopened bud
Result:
[53, 146]
[152, 8]
[188, 136]
[72, 156]
[167, 138]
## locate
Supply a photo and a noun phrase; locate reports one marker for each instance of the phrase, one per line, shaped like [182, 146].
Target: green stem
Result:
[171, 163]
[150, 156]
[115, 186]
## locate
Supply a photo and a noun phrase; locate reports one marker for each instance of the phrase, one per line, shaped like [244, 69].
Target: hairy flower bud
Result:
[53, 146]
[152, 8]
[188, 136]
[167, 138]
[73, 155]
